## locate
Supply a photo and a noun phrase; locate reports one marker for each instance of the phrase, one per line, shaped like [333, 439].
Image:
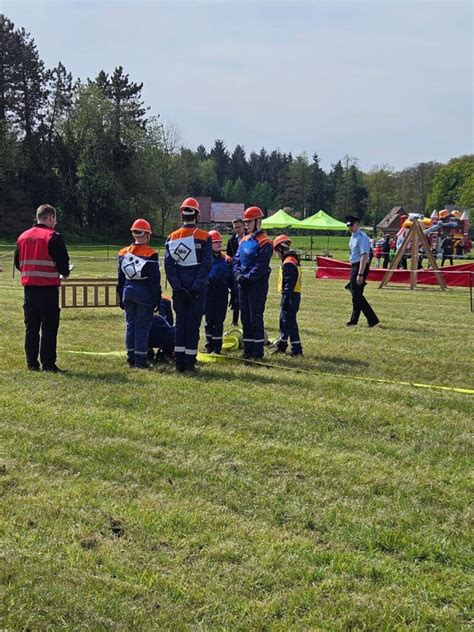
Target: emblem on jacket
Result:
[132, 266]
[181, 252]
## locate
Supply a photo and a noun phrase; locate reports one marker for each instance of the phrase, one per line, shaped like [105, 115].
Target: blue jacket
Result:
[252, 259]
[138, 275]
[220, 278]
[188, 258]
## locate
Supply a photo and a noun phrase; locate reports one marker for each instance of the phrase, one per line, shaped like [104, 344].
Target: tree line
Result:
[90, 148]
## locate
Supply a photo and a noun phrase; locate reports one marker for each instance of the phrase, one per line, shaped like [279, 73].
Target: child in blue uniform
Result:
[162, 333]
[219, 284]
[251, 272]
[188, 262]
[139, 291]
[289, 286]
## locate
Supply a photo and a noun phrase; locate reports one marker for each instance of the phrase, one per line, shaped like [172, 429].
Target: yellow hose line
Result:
[221, 358]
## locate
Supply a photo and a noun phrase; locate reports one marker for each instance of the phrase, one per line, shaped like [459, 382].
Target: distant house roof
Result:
[391, 221]
[205, 209]
[225, 212]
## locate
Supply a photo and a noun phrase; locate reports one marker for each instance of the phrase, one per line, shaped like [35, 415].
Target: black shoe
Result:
[191, 368]
[246, 356]
[142, 366]
[34, 367]
[350, 323]
[295, 353]
[207, 349]
[180, 368]
[277, 350]
[53, 369]
[374, 324]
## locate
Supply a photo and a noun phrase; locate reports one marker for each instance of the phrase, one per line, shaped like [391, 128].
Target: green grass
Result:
[243, 498]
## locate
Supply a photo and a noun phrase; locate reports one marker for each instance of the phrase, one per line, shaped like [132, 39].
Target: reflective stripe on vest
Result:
[37, 262]
[297, 288]
[39, 273]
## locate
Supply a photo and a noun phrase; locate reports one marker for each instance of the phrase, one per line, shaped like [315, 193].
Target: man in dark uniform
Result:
[41, 256]
[359, 245]
[232, 247]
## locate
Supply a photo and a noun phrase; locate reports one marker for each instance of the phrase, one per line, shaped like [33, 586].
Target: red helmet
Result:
[190, 203]
[215, 235]
[141, 224]
[253, 212]
[281, 239]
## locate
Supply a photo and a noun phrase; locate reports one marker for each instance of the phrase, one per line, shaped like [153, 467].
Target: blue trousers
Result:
[252, 299]
[139, 317]
[189, 312]
[289, 326]
[216, 309]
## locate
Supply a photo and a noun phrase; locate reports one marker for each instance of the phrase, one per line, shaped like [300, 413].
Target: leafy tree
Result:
[465, 196]
[208, 178]
[380, 185]
[262, 196]
[239, 193]
[449, 181]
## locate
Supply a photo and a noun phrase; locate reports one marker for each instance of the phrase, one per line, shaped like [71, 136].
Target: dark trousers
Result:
[216, 309]
[359, 302]
[289, 326]
[252, 299]
[189, 312]
[234, 296]
[139, 317]
[41, 309]
[447, 258]
[386, 259]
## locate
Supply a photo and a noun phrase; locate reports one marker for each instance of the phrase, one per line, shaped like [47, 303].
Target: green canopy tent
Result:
[321, 221]
[280, 219]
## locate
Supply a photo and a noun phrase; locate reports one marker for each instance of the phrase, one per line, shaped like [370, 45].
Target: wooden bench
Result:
[95, 292]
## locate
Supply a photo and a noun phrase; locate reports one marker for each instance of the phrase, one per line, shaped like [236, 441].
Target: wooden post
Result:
[431, 259]
[398, 258]
[414, 258]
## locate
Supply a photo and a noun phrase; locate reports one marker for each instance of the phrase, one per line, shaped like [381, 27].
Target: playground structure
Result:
[413, 237]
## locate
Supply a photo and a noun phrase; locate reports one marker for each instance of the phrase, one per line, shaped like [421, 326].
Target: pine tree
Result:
[238, 166]
[9, 42]
[29, 86]
[317, 194]
[220, 156]
[201, 153]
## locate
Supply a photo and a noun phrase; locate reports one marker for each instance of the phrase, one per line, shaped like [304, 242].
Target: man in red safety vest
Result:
[42, 258]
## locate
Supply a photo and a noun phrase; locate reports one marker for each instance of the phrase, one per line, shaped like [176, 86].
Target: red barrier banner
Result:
[455, 276]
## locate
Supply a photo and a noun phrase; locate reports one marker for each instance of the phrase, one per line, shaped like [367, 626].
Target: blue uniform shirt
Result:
[359, 244]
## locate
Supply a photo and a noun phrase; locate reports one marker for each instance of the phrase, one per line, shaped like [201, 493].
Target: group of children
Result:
[203, 279]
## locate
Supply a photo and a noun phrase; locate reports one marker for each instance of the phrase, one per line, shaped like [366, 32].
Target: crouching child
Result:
[289, 286]
[162, 334]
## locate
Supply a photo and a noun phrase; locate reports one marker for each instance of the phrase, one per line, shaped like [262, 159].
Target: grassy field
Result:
[242, 498]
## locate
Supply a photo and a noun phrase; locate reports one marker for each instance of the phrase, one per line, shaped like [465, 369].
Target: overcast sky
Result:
[386, 81]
